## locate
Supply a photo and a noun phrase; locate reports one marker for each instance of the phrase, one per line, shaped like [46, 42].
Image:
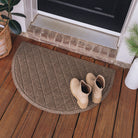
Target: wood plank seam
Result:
[8, 105]
[55, 127]
[134, 114]
[20, 118]
[8, 70]
[4, 79]
[25, 117]
[118, 102]
[37, 124]
[76, 125]
[96, 120]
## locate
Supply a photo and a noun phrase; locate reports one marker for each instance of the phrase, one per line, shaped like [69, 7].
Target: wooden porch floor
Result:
[116, 116]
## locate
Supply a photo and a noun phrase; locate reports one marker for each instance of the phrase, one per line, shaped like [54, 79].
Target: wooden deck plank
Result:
[87, 58]
[87, 120]
[7, 91]
[60, 50]
[105, 120]
[13, 37]
[125, 112]
[12, 116]
[65, 126]
[5, 63]
[47, 46]
[74, 54]
[135, 131]
[28, 122]
[46, 125]
[86, 123]
[18, 117]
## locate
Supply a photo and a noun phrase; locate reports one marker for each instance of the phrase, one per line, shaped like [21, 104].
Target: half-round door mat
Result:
[42, 77]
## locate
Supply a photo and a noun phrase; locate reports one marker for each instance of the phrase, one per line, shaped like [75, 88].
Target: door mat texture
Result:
[42, 77]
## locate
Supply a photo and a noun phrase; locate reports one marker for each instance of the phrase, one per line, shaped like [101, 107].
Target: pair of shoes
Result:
[81, 89]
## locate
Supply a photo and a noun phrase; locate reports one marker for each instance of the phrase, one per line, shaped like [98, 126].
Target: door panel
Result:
[109, 14]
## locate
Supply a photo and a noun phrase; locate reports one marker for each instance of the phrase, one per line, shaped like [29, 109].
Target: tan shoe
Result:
[97, 84]
[90, 78]
[80, 90]
[98, 87]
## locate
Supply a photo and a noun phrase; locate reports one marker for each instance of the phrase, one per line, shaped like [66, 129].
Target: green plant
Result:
[133, 39]
[8, 5]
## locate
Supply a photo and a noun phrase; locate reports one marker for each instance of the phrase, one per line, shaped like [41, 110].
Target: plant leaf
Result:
[135, 29]
[3, 7]
[4, 1]
[15, 27]
[5, 17]
[132, 41]
[133, 44]
[18, 14]
[11, 8]
[14, 2]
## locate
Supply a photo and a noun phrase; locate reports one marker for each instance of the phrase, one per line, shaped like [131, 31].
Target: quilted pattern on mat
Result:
[42, 77]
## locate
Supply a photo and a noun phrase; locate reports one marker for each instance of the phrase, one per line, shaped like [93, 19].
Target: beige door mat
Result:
[42, 77]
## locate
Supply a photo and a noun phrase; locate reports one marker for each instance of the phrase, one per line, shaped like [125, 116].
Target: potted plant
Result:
[131, 80]
[7, 24]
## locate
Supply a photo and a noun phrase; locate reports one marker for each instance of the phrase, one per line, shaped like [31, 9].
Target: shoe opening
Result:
[99, 82]
[85, 88]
